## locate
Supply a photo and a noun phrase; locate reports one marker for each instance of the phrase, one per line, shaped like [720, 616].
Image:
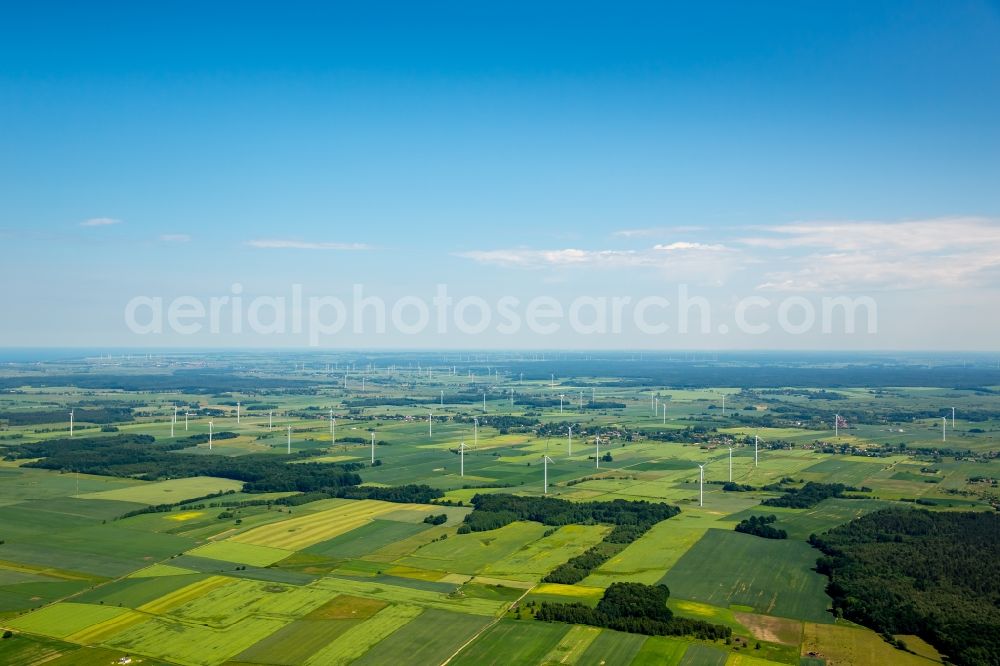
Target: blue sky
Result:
[573, 149]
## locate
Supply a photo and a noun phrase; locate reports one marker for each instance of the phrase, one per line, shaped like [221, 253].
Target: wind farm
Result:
[775, 450]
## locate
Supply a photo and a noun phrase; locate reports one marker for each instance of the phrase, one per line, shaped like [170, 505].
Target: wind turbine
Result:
[756, 442]
[237, 412]
[209, 435]
[723, 404]
[553, 380]
[186, 415]
[475, 432]
[545, 465]
[664, 412]
[289, 439]
[952, 418]
[461, 456]
[484, 402]
[270, 424]
[570, 441]
[701, 485]
[730, 464]
[430, 425]
[373, 447]
[597, 458]
[561, 396]
[71, 423]
[333, 429]
[836, 425]
[172, 422]
[944, 423]
[442, 397]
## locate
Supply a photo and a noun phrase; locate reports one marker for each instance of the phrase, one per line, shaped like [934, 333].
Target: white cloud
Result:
[100, 222]
[695, 262]
[682, 245]
[818, 256]
[175, 238]
[938, 252]
[280, 244]
[657, 231]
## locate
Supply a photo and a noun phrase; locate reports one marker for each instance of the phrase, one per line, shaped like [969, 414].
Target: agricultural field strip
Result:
[178, 598]
[304, 531]
[357, 640]
[482, 631]
[407, 595]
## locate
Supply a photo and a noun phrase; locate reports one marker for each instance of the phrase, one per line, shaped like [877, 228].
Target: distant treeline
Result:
[188, 381]
[99, 415]
[805, 372]
[631, 519]
[912, 571]
[635, 608]
[143, 457]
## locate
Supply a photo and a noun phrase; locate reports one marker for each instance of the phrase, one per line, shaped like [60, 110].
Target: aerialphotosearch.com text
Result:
[318, 319]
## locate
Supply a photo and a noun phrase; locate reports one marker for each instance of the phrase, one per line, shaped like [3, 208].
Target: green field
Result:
[165, 492]
[774, 577]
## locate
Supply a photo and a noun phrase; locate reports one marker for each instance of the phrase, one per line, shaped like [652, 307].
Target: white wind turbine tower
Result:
[545, 465]
[70, 422]
[836, 426]
[209, 435]
[237, 412]
[373, 447]
[484, 402]
[652, 403]
[186, 415]
[597, 458]
[730, 464]
[430, 425]
[952, 418]
[553, 380]
[442, 397]
[475, 433]
[289, 441]
[756, 444]
[944, 423]
[333, 429]
[461, 457]
[656, 406]
[664, 412]
[270, 422]
[173, 421]
[561, 396]
[701, 485]
[723, 404]
[570, 441]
